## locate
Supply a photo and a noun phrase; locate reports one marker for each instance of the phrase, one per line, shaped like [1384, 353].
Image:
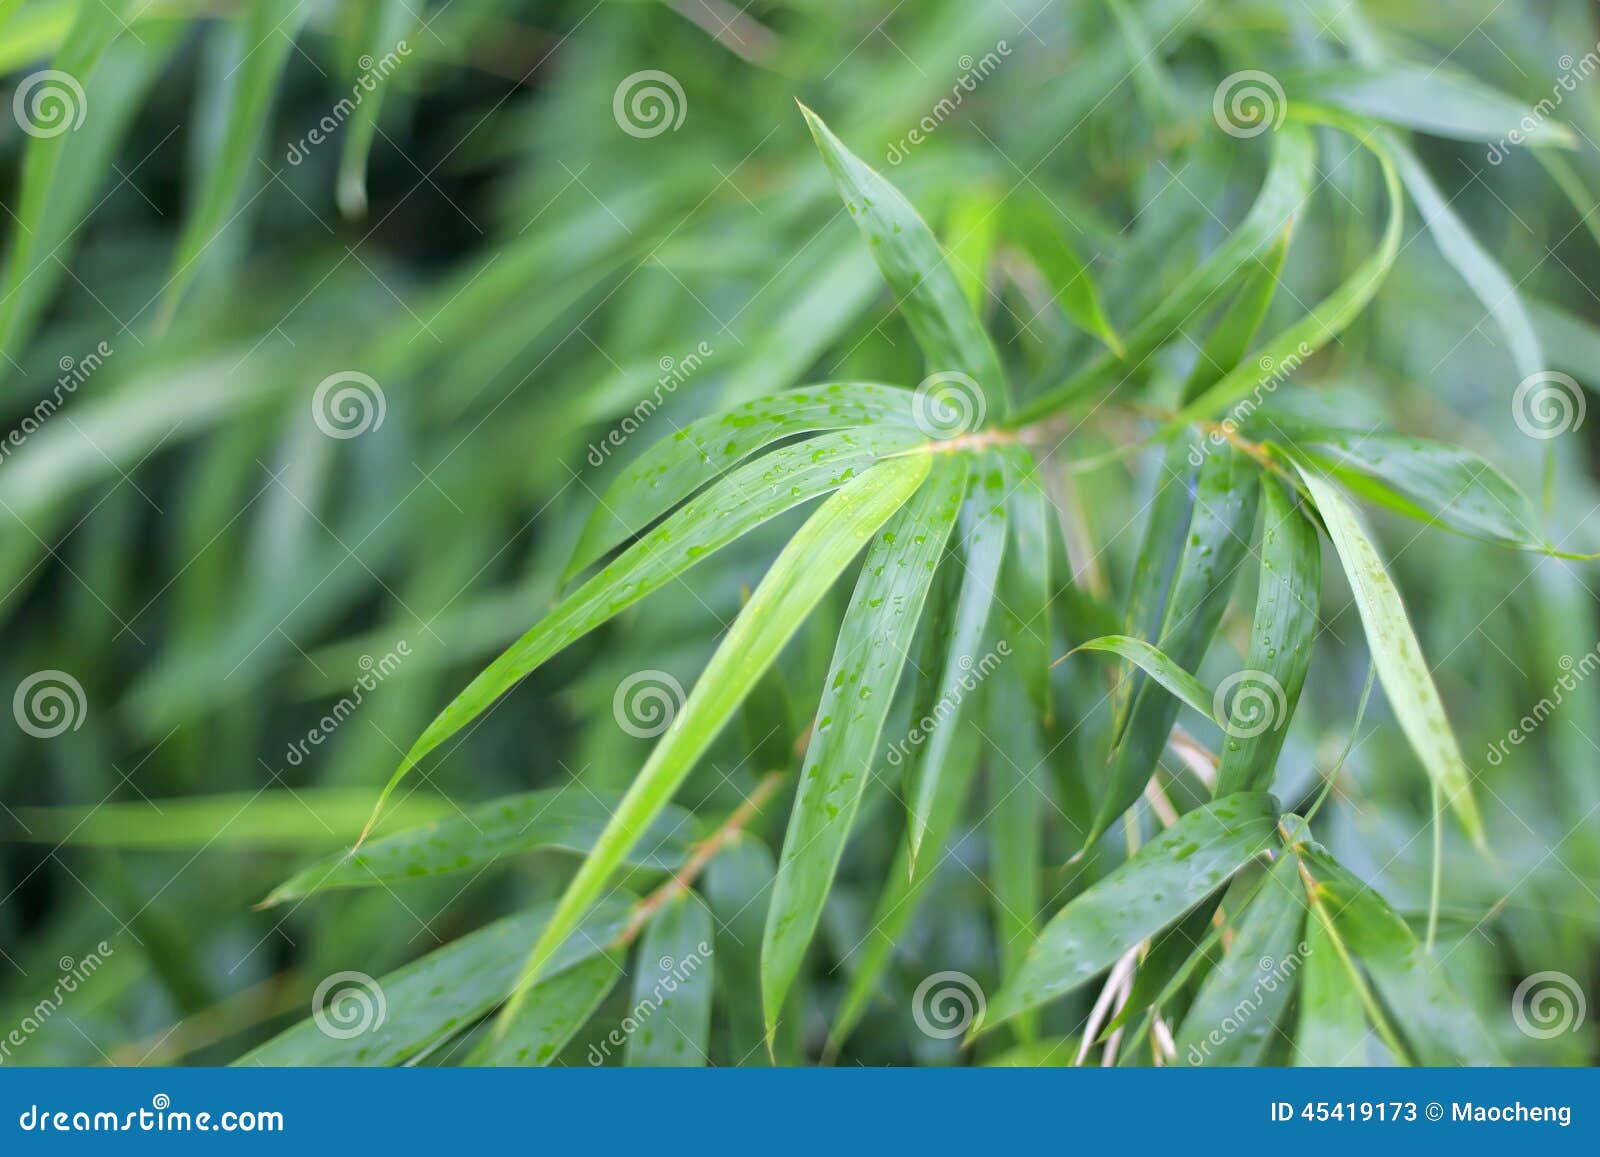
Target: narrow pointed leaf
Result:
[270, 28]
[1331, 1030]
[1025, 579]
[566, 818]
[675, 467]
[435, 997]
[1396, 654]
[867, 663]
[1018, 803]
[1234, 1017]
[798, 579]
[1282, 636]
[552, 1015]
[384, 26]
[983, 542]
[1033, 224]
[1158, 665]
[1168, 876]
[742, 501]
[925, 289]
[674, 973]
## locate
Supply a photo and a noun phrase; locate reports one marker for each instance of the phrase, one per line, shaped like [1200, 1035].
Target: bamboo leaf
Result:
[566, 818]
[1396, 654]
[674, 468]
[1169, 875]
[1033, 223]
[799, 577]
[738, 888]
[867, 662]
[672, 987]
[1332, 1027]
[1025, 580]
[270, 28]
[1283, 635]
[743, 500]
[925, 288]
[983, 540]
[384, 26]
[387, 1020]
[1158, 666]
[554, 1012]
[1235, 1015]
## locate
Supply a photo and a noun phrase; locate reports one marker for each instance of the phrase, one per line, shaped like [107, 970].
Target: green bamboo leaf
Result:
[1330, 316]
[1437, 101]
[566, 818]
[1438, 1024]
[672, 986]
[404, 1012]
[1396, 654]
[867, 662]
[738, 887]
[554, 1012]
[1025, 580]
[269, 28]
[1158, 665]
[743, 500]
[1331, 1031]
[904, 888]
[1169, 875]
[1235, 1015]
[1431, 482]
[383, 28]
[925, 288]
[302, 819]
[983, 542]
[1226, 496]
[1282, 637]
[798, 579]
[674, 468]
[1032, 223]
[69, 150]
[1016, 821]
[972, 227]
[1282, 196]
[1482, 273]
[1229, 340]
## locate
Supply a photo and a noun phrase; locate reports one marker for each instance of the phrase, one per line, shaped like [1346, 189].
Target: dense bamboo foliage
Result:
[684, 533]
